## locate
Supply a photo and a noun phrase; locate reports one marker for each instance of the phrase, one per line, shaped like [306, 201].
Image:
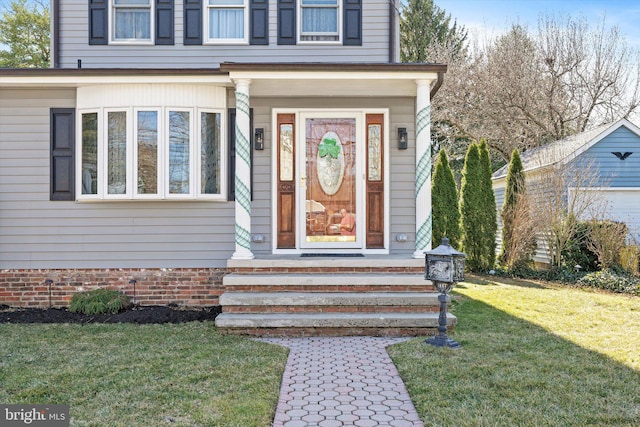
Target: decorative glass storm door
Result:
[330, 198]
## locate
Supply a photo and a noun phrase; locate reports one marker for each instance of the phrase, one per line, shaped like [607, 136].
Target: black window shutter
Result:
[192, 22]
[286, 22]
[62, 153]
[164, 22]
[259, 22]
[98, 26]
[231, 166]
[352, 23]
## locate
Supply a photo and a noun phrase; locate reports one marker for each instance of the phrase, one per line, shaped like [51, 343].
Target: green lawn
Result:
[142, 375]
[532, 355]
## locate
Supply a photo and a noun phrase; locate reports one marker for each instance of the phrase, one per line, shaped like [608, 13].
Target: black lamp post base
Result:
[442, 341]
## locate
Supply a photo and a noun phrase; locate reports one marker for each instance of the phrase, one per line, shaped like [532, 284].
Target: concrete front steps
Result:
[329, 304]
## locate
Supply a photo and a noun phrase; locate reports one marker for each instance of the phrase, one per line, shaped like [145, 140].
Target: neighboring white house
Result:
[612, 154]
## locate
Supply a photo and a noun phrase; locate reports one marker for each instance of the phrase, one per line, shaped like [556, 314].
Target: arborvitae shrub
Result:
[471, 208]
[444, 203]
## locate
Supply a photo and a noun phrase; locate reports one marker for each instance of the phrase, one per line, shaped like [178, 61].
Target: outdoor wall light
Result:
[403, 139]
[444, 266]
[402, 238]
[258, 238]
[259, 139]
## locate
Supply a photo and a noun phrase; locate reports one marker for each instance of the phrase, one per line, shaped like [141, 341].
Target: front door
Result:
[330, 181]
[330, 201]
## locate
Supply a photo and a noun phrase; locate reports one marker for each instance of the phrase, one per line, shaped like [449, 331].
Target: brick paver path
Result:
[342, 381]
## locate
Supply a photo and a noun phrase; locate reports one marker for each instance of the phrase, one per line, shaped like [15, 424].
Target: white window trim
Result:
[165, 146]
[100, 167]
[300, 35]
[224, 41]
[195, 162]
[159, 160]
[222, 196]
[131, 42]
[104, 150]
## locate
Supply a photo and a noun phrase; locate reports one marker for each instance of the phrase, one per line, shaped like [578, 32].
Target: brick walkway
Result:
[342, 381]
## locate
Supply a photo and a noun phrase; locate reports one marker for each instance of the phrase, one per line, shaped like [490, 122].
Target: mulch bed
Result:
[137, 314]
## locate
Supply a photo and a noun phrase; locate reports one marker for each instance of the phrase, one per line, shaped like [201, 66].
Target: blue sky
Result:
[492, 17]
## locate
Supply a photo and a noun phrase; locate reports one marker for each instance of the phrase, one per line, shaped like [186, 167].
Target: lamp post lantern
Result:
[444, 266]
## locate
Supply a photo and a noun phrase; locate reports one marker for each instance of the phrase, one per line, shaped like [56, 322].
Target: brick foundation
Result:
[182, 286]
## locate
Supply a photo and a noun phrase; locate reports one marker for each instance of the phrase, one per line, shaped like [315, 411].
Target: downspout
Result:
[392, 31]
[55, 34]
[437, 85]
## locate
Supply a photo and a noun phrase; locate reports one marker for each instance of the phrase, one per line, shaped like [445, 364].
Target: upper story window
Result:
[320, 20]
[127, 22]
[132, 20]
[226, 21]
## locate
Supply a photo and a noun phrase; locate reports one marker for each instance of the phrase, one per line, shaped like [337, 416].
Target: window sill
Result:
[226, 42]
[131, 43]
[216, 199]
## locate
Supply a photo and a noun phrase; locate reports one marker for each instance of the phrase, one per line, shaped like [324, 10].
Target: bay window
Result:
[151, 153]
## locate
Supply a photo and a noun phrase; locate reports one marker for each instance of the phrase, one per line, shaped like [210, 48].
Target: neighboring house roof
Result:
[567, 149]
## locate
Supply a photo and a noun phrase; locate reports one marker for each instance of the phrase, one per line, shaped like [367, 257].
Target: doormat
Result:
[332, 255]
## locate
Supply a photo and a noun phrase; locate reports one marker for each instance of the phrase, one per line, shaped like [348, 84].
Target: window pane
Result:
[179, 152]
[375, 152]
[286, 152]
[117, 152]
[210, 153]
[319, 20]
[132, 23]
[147, 152]
[90, 153]
[226, 23]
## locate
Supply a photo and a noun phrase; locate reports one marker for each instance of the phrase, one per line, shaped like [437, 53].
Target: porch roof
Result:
[267, 79]
[335, 79]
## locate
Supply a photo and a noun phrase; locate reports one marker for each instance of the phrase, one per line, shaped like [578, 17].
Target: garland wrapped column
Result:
[243, 172]
[423, 168]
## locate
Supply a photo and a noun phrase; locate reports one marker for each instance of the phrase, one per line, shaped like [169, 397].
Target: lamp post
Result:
[444, 266]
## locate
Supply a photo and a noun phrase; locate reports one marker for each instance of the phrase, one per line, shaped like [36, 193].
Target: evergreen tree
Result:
[444, 203]
[489, 211]
[518, 232]
[422, 25]
[471, 208]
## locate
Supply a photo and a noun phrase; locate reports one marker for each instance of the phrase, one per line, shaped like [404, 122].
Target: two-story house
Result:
[176, 141]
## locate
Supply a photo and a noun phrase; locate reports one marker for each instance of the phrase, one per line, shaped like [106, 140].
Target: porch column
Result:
[423, 168]
[243, 172]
